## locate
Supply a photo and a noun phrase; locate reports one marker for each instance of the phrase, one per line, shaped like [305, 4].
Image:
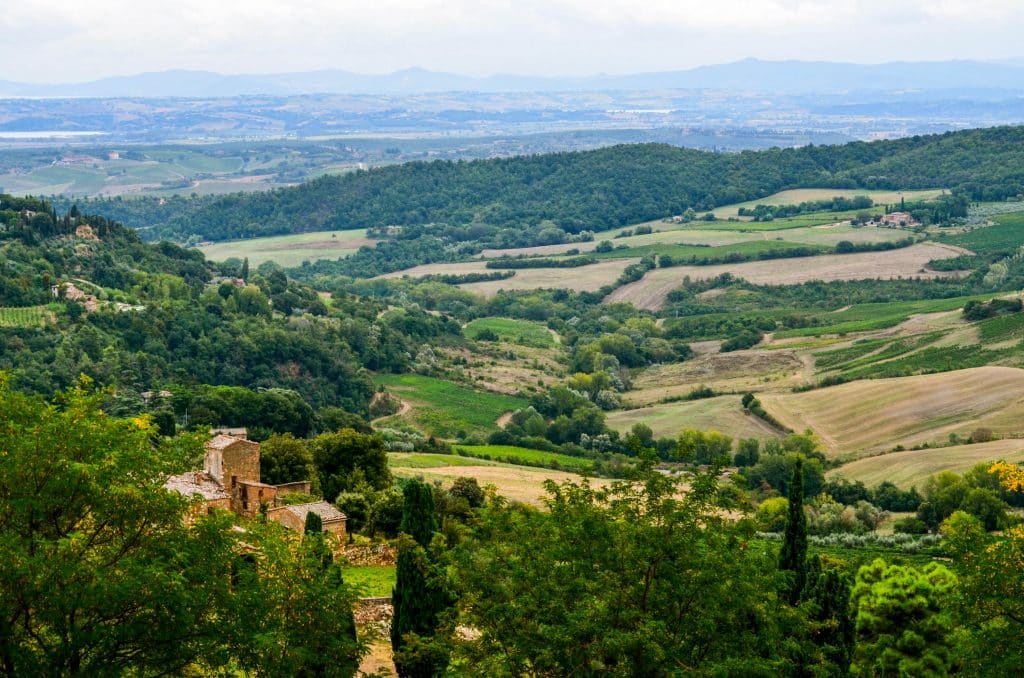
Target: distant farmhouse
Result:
[230, 480]
[898, 219]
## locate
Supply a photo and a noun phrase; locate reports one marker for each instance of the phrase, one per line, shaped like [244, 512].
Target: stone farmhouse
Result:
[898, 219]
[230, 480]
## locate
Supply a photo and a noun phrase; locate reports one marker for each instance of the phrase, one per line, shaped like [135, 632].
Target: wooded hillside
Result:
[607, 188]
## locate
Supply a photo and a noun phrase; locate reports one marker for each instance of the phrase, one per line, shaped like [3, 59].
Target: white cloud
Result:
[57, 40]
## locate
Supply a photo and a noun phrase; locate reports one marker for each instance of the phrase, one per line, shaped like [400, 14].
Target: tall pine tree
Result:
[793, 556]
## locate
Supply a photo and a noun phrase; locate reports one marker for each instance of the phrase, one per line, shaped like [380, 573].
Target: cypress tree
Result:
[314, 524]
[793, 556]
[418, 519]
[419, 596]
[245, 269]
[831, 621]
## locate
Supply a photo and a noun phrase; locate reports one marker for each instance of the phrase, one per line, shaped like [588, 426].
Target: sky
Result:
[51, 41]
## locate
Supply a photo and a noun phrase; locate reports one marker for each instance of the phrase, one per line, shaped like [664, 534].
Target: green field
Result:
[415, 460]
[290, 250]
[373, 581]
[1006, 235]
[446, 409]
[518, 331]
[512, 454]
[25, 316]
[720, 254]
[867, 317]
[798, 221]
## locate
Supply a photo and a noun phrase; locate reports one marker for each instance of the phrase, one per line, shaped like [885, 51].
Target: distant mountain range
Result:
[749, 75]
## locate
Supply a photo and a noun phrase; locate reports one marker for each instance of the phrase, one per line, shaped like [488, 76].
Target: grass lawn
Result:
[443, 408]
[518, 331]
[512, 454]
[373, 581]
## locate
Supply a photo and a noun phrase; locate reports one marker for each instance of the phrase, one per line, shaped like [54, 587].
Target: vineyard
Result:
[26, 316]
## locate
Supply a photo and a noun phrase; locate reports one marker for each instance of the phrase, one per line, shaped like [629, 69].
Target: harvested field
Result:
[422, 270]
[737, 372]
[724, 414]
[291, 250]
[832, 234]
[911, 468]
[580, 279]
[865, 417]
[674, 236]
[514, 482]
[651, 291]
[798, 195]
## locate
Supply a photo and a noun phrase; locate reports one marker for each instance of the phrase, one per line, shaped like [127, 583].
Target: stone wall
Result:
[241, 460]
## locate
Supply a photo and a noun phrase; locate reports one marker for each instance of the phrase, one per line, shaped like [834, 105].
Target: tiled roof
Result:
[196, 483]
[220, 442]
[325, 510]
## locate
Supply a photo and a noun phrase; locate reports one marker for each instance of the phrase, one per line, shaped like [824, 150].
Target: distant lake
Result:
[48, 134]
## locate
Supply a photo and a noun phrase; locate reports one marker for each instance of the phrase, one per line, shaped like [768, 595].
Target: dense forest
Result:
[143, 317]
[595, 190]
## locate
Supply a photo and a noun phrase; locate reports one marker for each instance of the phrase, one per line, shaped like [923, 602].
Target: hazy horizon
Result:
[1015, 61]
[71, 43]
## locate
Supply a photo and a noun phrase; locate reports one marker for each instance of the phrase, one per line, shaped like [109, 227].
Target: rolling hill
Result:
[865, 417]
[605, 188]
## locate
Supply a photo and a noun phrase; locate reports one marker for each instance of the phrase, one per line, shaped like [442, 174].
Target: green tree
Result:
[902, 628]
[81, 497]
[314, 524]
[420, 596]
[418, 518]
[285, 459]
[989, 599]
[704, 447]
[748, 452]
[470, 490]
[827, 603]
[793, 554]
[636, 579]
[336, 457]
[290, 611]
[115, 581]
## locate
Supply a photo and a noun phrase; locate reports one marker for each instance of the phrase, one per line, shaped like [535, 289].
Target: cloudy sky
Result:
[74, 40]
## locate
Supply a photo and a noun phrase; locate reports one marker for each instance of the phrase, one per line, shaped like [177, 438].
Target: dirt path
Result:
[403, 406]
[504, 420]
